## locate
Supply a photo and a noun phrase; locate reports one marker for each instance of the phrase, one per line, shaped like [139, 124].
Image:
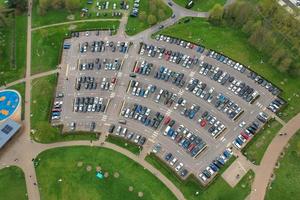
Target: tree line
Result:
[45, 5]
[269, 27]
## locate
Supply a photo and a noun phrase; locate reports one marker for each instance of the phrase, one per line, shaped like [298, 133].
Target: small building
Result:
[8, 129]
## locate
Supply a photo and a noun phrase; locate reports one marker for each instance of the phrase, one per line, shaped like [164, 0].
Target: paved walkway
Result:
[72, 22]
[265, 169]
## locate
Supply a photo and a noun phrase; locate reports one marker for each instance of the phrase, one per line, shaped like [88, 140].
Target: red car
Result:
[137, 69]
[167, 120]
[113, 80]
[245, 136]
[203, 123]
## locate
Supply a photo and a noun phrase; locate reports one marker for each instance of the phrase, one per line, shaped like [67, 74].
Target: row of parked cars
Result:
[239, 67]
[227, 106]
[276, 104]
[180, 42]
[144, 68]
[250, 131]
[169, 55]
[89, 104]
[264, 83]
[200, 89]
[86, 82]
[174, 163]
[215, 166]
[138, 90]
[144, 115]
[129, 135]
[164, 73]
[238, 87]
[56, 110]
[108, 64]
[185, 138]
[135, 9]
[102, 46]
[211, 123]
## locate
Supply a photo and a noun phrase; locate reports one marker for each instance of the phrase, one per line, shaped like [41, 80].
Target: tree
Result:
[143, 16]
[285, 64]
[277, 56]
[216, 14]
[44, 5]
[153, 6]
[18, 4]
[161, 13]
[72, 4]
[152, 19]
[57, 4]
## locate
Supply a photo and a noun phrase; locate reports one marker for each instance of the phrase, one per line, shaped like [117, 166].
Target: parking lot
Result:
[192, 104]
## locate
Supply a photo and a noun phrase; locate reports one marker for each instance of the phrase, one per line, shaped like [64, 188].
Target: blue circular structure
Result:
[9, 103]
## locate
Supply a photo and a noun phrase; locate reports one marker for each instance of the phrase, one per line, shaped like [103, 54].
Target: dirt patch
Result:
[79, 164]
[140, 194]
[130, 189]
[72, 27]
[88, 168]
[116, 175]
[71, 17]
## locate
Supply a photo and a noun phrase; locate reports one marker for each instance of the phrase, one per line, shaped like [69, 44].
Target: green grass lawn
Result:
[234, 43]
[217, 190]
[47, 43]
[42, 94]
[21, 89]
[201, 5]
[287, 178]
[8, 71]
[78, 183]
[126, 144]
[256, 148]
[12, 184]
[136, 25]
[62, 15]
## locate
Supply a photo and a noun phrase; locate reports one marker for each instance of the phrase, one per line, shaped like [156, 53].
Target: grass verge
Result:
[256, 148]
[137, 24]
[8, 71]
[126, 144]
[47, 45]
[287, 177]
[53, 16]
[233, 43]
[12, 183]
[193, 190]
[200, 5]
[70, 165]
[42, 94]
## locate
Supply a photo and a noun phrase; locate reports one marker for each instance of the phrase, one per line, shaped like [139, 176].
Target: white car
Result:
[178, 167]
[210, 170]
[203, 177]
[242, 124]
[172, 162]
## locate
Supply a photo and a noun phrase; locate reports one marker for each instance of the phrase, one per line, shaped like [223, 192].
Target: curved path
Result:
[267, 165]
[72, 22]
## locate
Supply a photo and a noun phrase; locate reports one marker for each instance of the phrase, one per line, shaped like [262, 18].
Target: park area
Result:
[70, 173]
[286, 183]
[13, 46]
[12, 184]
